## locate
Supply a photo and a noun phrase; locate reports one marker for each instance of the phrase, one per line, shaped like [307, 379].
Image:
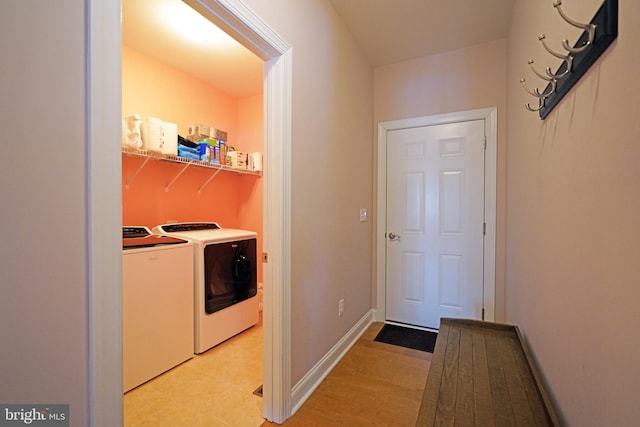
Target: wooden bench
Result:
[481, 374]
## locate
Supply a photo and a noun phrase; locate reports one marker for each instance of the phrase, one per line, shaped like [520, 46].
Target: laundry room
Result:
[156, 192]
[192, 147]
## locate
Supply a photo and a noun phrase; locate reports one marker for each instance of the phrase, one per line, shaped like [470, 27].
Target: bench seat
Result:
[482, 375]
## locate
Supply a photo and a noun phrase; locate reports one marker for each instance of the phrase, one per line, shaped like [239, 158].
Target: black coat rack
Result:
[595, 39]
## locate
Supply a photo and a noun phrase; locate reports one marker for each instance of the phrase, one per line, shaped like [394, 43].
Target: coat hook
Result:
[589, 28]
[540, 106]
[537, 73]
[568, 59]
[536, 92]
[558, 76]
[549, 77]
[576, 58]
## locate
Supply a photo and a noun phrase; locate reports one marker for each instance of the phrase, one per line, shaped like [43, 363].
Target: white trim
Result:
[307, 385]
[104, 200]
[241, 23]
[489, 115]
[277, 240]
[490, 208]
[381, 227]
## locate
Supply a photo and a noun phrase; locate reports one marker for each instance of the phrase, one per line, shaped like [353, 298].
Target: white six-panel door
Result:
[434, 223]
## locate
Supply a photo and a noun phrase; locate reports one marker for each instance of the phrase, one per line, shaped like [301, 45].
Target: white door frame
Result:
[104, 53]
[489, 115]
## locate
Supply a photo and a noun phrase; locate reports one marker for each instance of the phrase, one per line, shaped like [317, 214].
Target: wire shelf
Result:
[171, 158]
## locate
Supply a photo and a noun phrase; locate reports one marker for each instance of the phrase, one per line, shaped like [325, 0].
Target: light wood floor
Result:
[214, 389]
[375, 384]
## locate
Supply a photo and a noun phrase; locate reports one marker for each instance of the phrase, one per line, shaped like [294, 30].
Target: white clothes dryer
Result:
[225, 279]
[157, 304]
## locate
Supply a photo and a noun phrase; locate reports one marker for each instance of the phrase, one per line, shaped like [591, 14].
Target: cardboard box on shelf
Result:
[200, 131]
[237, 159]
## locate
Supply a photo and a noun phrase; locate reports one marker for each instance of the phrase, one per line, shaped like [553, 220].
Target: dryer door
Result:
[230, 273]
[241, 272]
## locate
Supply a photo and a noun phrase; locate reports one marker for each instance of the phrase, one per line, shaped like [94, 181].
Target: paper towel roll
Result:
[131, 131]
[255, 161]
[169, 138]
[152, 134]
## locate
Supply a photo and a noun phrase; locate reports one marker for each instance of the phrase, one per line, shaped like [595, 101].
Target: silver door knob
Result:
[394, 236]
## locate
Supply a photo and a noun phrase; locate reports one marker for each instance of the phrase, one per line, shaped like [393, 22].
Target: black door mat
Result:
[407, 337]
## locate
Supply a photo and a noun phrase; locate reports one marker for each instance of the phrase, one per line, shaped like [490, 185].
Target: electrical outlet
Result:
[340, 308]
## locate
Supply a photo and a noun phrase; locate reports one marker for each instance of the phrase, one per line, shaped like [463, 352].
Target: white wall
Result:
[43, 254]
[332, 143]
[464, 79]
[573, 218]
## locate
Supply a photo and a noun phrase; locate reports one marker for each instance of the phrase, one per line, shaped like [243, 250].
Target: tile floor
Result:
[214, 389]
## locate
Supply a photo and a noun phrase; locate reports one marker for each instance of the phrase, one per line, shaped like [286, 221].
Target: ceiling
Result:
[388, 31]
[397, 30]
[155, 28]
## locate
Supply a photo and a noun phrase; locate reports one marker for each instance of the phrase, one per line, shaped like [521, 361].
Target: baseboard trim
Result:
[307, 385]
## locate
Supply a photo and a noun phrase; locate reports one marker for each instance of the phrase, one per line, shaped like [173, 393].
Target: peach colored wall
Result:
[573, 218]
[250, 134]
[152, 89]
[464, 79]
[331, 175]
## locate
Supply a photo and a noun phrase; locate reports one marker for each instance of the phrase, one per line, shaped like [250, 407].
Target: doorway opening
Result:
[487, 269]
[104, 110]
[179, 67]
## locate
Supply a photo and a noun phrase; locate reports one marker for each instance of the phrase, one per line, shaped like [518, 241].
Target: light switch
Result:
[363, 215]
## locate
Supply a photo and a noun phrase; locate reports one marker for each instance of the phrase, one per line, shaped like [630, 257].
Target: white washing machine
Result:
[225, 279]
[157, 304]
